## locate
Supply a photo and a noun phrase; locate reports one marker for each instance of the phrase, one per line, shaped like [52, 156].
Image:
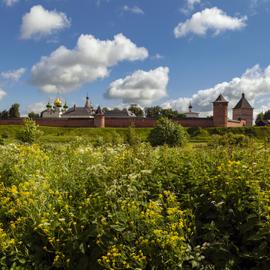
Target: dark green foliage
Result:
[153, 112]
[197, 132]
[156, 112]
[33, 115]
[230, 139]
[14, 111]
[4, 114]
[266, 115]
[168, 132]
[136, 110]
[5, 134]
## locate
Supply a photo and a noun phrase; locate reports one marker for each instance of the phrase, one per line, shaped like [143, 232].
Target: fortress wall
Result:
[241, 123]
[119, 122]
[127, 122]
[196, 122]
[16, 121]
[149, 122]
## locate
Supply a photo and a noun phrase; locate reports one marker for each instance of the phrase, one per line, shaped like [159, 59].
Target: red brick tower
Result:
[220, 112]
[243, 111]
[99, 120]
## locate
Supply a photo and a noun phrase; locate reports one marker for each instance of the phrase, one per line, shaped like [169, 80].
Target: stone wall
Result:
[245, 114]
[241, 123]
[120, 122]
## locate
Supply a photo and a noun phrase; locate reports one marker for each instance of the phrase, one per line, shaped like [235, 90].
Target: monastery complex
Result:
[59, 115]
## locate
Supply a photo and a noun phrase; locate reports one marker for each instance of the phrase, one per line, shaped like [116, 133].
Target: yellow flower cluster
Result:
[122, 257]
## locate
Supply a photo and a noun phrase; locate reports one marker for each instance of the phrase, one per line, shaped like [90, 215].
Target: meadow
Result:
[84, 206]
[62, 135]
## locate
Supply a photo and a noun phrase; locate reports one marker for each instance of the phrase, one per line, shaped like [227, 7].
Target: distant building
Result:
[190, 113]
[54, 111]
[87, 111]
[76, 112]
[118, 113]
[243, 111]
[87, 116]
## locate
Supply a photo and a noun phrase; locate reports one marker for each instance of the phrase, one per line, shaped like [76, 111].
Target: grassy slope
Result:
[60, 134]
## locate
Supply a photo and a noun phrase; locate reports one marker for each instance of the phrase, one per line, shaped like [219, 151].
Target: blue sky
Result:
[147, 52]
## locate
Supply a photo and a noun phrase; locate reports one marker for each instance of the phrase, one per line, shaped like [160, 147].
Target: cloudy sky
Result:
[152, 52]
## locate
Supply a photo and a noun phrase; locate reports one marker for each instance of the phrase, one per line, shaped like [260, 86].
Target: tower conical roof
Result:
[243, 103]
[221, 99]
[99, 111]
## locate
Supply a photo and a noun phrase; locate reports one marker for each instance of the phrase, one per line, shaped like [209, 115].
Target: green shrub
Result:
[30, 132]
[168, 132]
[5, 135]
[230, 139]
[132, 136]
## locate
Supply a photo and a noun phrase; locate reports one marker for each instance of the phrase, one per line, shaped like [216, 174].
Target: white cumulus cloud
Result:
[13, 75]
[39, 22]
[209, 19]
[255, 83]
[37, 107]
[10, 3]
[2, 93]
[141, 87]
[66, 69]
[135, 10]
[191, 3]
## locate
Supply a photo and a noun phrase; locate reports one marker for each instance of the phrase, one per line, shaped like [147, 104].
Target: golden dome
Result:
[58, 102]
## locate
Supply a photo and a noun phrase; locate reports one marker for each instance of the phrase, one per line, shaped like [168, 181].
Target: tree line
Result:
[155, 112]
[149, 112]
[262, 117]
[12, 112]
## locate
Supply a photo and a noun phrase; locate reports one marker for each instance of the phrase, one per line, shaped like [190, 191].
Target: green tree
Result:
[14, 111]
[30, 132]
[4, 114]
[169, 113]
[33, 115]
[266, 115]
[136, 110]
[168, 132]
[153, 112]
[259, 118]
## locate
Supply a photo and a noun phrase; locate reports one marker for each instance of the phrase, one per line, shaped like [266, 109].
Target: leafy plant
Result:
[30, 132]
[168, 132]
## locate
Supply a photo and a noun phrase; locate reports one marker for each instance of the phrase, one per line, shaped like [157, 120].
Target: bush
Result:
[230, 139]
[5, 135]
[168, 132]
[132, 137]
[30, 132]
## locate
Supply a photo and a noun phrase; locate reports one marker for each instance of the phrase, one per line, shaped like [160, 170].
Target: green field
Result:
[66, 135]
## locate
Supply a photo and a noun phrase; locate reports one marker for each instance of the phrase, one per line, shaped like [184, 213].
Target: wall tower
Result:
[220, 112]
[99, 120]
[243, 111]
